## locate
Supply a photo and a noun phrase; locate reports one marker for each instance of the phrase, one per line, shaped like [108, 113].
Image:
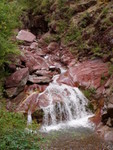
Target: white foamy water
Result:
[29, 118]
[67, 108]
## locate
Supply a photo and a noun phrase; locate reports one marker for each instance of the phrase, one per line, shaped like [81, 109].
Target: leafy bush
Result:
[20, 140]
[9, 20]
[13, 135]
[73, 34]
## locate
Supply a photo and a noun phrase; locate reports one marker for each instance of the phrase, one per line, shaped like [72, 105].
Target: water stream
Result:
[65, 121]
[67, 107]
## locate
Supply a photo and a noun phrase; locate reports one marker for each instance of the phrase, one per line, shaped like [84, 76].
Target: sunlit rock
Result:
[25, 36]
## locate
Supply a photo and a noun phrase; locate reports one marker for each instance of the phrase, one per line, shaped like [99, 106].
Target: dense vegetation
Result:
[14, 134]
[12, 126]
[9, 13]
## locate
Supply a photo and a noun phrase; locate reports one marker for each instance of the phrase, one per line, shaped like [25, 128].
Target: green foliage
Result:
[97, 50]
[53, 37]
[85, 20]
[9, 16]
[103, 79]
[20, 140]
[10, 121]
[37, 6]
[13, 134]
[89, 92]
[90, 106]
[110, 69]
[61, 26]
[73, 34]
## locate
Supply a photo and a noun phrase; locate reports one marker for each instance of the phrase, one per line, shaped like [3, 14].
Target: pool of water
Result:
[75, 139]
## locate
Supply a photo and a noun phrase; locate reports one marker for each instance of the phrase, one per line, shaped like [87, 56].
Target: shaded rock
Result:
[38, 115]
[40, 79]
[109, 122]
[12, 92]
[12, 67]
[13, 104]
[17, 79]
[42, 41]
[55, 69]
[53, 46]
[25, 36]
[110, 111]
[66, 56]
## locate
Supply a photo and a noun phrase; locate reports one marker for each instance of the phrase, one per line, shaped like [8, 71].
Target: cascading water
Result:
[63, 106]
[67, 107]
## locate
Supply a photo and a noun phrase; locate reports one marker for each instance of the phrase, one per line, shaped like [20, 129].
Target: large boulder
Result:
[15, 83]
[18, 78]
[89, 73]
[25, 36]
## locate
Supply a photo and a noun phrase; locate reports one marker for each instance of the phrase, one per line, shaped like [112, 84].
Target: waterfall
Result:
[67, 107]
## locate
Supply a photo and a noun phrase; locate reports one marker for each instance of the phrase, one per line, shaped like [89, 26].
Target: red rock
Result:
[18, 78]
[89, 73]
[106, 133]
[34, 87]
[44, 99]
[29, 104]
[65, 78]
[10, 92]
[43, 39]
[34, 61]
[97, 118]
[66, 56]
[34, 45]
[40, 79]
[25, 36]
[53, 46]
[44, 73]
[12, 67]
[13, 104]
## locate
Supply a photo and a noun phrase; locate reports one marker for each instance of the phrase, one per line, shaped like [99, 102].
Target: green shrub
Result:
[73, 34]
[9, 20]
[89, 92]
[13, 135]
[19, 140]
